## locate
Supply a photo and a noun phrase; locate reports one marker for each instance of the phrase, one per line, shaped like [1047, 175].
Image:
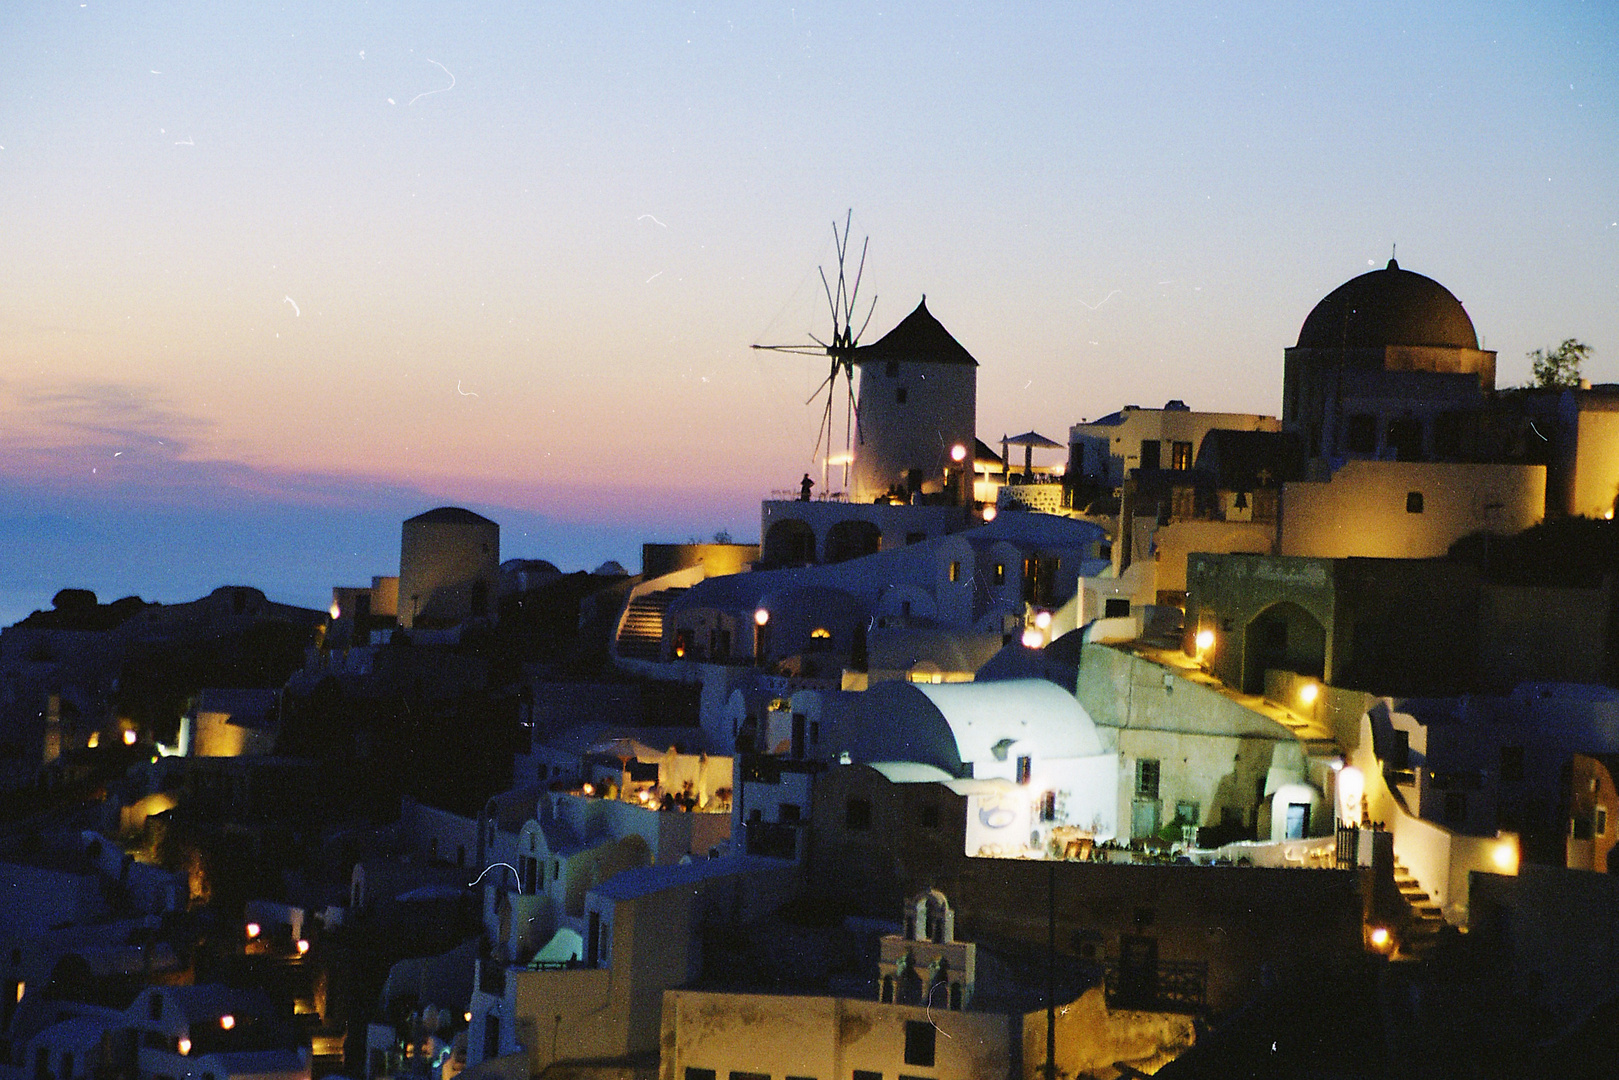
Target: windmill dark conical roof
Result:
[919, 338]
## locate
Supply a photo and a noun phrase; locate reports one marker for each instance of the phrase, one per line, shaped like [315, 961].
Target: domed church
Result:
[1388, 367]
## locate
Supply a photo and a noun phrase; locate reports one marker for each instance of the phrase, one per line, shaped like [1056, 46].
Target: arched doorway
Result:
[1286, 637]
[789, 542]
[852, 539]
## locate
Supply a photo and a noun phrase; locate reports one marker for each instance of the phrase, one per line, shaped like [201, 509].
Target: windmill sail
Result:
[842, 299]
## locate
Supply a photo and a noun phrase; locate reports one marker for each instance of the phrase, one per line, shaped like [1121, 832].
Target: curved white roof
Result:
[1033, 711]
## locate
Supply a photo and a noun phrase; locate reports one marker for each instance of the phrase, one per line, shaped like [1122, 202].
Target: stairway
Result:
[1422, 932]
[640, 635]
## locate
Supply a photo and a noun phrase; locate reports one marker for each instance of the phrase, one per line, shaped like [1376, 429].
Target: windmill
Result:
[840, 351]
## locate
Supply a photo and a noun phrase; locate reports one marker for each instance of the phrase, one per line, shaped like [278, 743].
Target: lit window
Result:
[1025, 767]
[955, 570]
[820, 632]
[998, 577]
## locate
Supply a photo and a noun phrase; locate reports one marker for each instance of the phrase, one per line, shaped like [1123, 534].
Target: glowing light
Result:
[129, 738]
[989, 513]
[1608, 515]
[844, 458]
[303, 946]
[1380, 938]
[1205, 640]
[680, 650]
[1042, 619]
[590, 789]
[94, 740]
[820, 632]
[254, 929]
[958, 453]
[467, 1017]
[337, 612]
[185, 1045]
[1033, 639]
[761, 617]
[21, 988]
[1351, 786]
[227, 1021]
[1505, 856]
[1309, 692]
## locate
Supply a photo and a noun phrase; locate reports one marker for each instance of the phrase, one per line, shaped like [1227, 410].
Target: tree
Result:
[1559, 367]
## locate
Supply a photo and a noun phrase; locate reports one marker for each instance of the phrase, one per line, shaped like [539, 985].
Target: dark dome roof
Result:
[1388, 307]
[450, 515]
[919, 338]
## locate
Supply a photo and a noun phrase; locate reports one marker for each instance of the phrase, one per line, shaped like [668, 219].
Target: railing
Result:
[1167, 986]
[1348, 848]
[794, 495]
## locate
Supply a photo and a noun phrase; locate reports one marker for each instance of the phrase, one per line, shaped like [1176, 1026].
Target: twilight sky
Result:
[275, 276]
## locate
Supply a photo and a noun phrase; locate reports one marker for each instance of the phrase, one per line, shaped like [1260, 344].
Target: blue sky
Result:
[300, 270]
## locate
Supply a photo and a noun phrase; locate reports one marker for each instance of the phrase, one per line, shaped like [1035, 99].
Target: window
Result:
[920, 1043]
[899, 395]
[919, 1036]
[1602, 821]
[1147, 778]
[700, 1074]
[1048, 806]
[737, 1074]
[1511, 763]
[892, 368]
[1455, 809]
[1024, 768]
[1413, 502]
[815, 733]
[1149, 453]
[927, 815]
[955, 570]
[867, 1074]
[1361, 436]
[915, 537]
[789, 813]
[1116, 607]
[857, 814]
[1188, 813]
[998, 574]
[1180, 456]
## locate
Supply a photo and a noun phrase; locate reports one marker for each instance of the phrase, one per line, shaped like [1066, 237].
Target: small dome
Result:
[449, 515]
[1388, 307]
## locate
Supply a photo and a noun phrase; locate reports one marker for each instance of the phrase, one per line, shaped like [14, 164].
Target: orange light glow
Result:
[1205, 640]
[761, 617]
[129, 738]
[1309, 692]
[303, 946]
[227, 1021]
[94, 740]
[989, 513]
[185, 1045]
[1380, 938]
[254, 929]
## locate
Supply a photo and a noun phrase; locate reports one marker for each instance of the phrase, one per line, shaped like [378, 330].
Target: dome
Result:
[449, 515]
[1388, 307]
